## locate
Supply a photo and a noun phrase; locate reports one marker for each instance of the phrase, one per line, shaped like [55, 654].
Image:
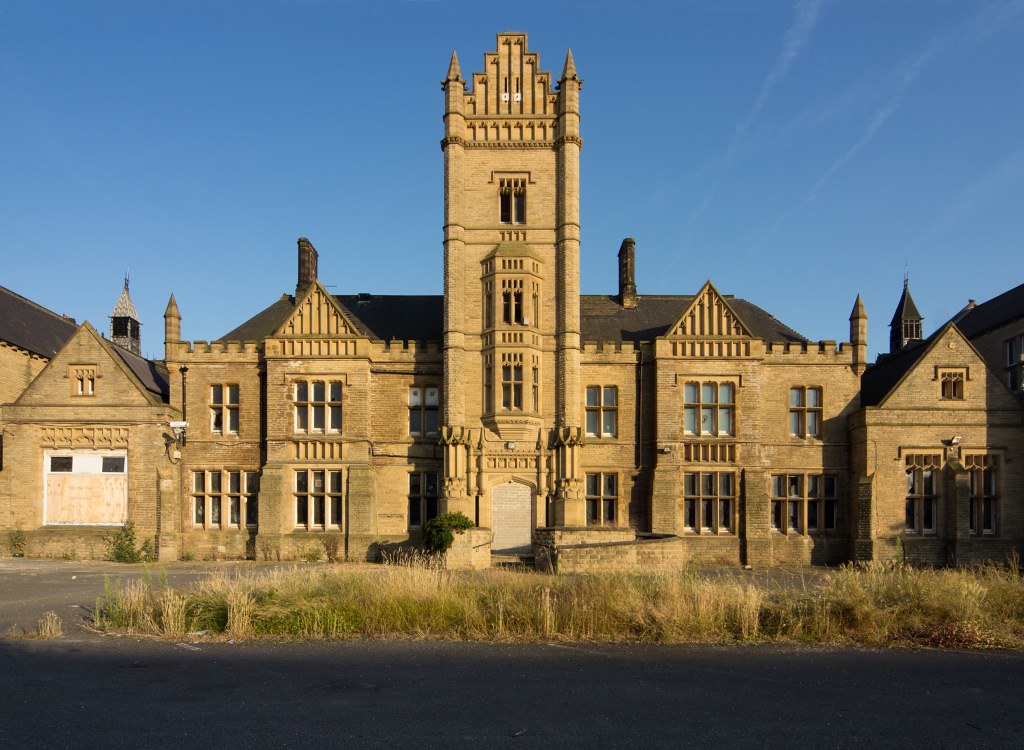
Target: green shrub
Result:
[121, 546]
[17, 542]
[439, 533]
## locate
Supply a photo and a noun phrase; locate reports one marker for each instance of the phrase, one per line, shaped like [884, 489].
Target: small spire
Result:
[858, 310]
[454, 74]
[127, 276]
[172, 309]
[569, 71]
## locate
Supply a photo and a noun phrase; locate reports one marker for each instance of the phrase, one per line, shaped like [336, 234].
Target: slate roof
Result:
[998, 311]
[152, 375]
[602, 318]
[880, 378]
[125, 308]
[32, 327]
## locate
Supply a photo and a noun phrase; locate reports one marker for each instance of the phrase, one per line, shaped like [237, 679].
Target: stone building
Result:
[595, 432]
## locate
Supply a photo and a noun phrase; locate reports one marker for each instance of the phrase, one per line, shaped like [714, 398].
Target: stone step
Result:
[511, 561]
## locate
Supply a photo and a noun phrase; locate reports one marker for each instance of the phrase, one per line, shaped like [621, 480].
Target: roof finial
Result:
[127, 276]
[906, 275]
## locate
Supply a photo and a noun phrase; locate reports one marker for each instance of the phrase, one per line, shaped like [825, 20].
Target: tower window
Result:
[512, 200]
[512, 382]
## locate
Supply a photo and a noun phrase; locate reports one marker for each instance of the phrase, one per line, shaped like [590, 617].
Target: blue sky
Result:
[796, 153]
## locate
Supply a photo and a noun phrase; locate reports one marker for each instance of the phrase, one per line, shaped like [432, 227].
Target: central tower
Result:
[511, 288]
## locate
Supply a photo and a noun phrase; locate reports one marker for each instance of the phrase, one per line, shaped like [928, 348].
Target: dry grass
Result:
[48, 626]
[876, 605]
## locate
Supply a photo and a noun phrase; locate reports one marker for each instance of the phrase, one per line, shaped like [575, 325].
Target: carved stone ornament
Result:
[450, 435]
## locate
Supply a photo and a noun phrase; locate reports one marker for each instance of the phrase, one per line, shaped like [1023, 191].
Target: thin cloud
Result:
[974, 197]
[793, 43]
[909, 73]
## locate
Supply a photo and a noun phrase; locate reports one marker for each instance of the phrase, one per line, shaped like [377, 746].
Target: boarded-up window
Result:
[86, 488]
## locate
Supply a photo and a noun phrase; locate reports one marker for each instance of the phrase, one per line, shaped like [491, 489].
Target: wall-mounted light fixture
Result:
[177, 439]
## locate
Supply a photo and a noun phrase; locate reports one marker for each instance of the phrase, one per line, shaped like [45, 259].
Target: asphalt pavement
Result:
[85, 690]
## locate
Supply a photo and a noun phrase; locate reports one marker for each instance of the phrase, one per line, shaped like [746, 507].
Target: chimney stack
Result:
[307, 266]
[627, 273]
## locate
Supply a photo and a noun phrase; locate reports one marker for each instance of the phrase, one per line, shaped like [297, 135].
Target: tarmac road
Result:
[84, 690]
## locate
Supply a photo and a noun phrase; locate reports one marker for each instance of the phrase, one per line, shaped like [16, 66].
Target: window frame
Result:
[223, 412]
[983, 466]
[512, 201]
[918, 468]
[83, 380]
[804, 412]
[601, 410]
[703, 507]
[304, 410]
[601, 492]
[214, 502]
[328, 500]
[1013, 351]
[420, 407]
[426, 504]
[952, 383]
[815, 502]
[713, 409]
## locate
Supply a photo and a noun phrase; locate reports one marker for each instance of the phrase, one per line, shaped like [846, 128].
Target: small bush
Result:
[439, 533]
[121, 546]
[17, 542]
[312, 554]
[331, 544]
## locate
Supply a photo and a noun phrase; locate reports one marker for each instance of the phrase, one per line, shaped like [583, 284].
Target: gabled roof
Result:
[998, 311]
[32, 327]
[602, 318]
[882, 378]
[151, 376]
[906, 309]
[382, 318]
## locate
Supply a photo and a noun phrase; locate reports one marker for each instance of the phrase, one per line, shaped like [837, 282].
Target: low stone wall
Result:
[471, 550]
[67, 542]
[607, 551]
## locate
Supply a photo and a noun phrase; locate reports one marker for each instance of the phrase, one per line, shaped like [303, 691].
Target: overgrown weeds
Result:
[48, 626]
[121, 542]
[415, 598]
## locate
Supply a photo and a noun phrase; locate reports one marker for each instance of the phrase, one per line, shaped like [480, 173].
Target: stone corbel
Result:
[452, 435]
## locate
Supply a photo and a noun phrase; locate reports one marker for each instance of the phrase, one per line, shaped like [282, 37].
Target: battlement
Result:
[611, 347]
[245, 348]
[397, 348]
[841, 353]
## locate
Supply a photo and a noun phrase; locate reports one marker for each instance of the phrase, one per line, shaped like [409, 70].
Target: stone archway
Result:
[512, 518]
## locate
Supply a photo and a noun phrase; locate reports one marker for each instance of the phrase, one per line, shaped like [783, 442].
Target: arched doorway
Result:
[512, 518]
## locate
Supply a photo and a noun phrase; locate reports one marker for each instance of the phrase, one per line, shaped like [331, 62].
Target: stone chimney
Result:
[627, 273]
[307, 266]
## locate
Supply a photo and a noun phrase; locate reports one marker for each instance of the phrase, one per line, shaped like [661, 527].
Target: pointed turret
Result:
[859, 336]
[454, 73]
[125, 328]
[569, 69]
[906, 321]
[172, 322]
